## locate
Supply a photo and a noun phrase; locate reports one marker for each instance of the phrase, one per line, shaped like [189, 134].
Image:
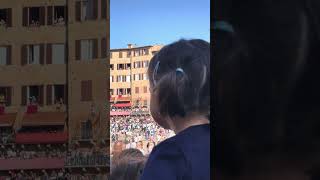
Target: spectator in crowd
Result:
[180, 100]
[2, 22]
[128, 165]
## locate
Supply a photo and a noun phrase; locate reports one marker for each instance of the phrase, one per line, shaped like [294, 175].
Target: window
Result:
[110, 55]
[137, 53]
[5, 96]
[121, 91]
[129, 91]
[145, 103]
[86, 90]
[120, 66]
[5, 55]
[59, 94]
[5, 17]
[145, 64]
[128, 78]
[58, 54]
[86, 50]
[120, 54]
[145, 89]
[136, 77]
[86, 10]
[103, 48]
[111, 92]
[137, 64]
[33, 54]
[86, 130]
[129, 54]
[33, 16]
[137, 90]
[32, 95]
[145, 77]
[128, 66]
[56, 15]
[111, 66]
[145, 51]
[119, 78]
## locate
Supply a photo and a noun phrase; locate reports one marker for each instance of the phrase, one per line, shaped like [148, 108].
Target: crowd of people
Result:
[31, 152]
[7, 136]
[3, 23]
[139, 132]
[58, 174]
[87, 158]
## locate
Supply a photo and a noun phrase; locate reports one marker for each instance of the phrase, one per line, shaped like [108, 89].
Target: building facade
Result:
[53, 57]
[128, 74]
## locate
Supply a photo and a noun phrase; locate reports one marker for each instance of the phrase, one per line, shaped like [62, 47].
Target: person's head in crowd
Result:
[267, 99]
[127, 168]
[179, 76]
[131, 152]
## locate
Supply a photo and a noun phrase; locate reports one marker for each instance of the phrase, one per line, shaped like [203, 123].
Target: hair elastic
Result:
[223, 26]
[179, 70]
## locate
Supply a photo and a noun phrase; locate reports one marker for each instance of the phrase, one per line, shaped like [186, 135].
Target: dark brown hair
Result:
[267, 100]
[180, 72]
[128, 165]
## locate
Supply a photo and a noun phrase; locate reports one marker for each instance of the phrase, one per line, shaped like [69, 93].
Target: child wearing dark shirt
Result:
[180, 100]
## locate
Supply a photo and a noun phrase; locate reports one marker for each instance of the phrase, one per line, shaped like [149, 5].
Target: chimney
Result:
[130, 46]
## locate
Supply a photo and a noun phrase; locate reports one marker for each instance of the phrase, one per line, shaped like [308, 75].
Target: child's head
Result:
[127, 165]
[267, 99]
[179, 77]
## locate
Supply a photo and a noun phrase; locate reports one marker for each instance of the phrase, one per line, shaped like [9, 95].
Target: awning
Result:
[122, 113]
[41, 138]
[7, 120]
[44, 119]
[123, 105]
[37, 163]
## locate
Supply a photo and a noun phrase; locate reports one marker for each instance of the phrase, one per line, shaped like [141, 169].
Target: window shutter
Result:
[95, 48]
[9, 96]
[65, 14]
[42, 16]
[49, 54]
[78, 11]
[65, 95]
[137, 90]
[78, 47]
[24, 55]
[103, 9]
[103, 48]
[25, 16]
[89, 88]
[9, 17]
[95, 9]
[83, 90]
[41, 95]
[144, 89]
[9, 55]
[50, 15]
[120, 54]
[42, 54]
[49, 94]
[66, 50]
[24, 95]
